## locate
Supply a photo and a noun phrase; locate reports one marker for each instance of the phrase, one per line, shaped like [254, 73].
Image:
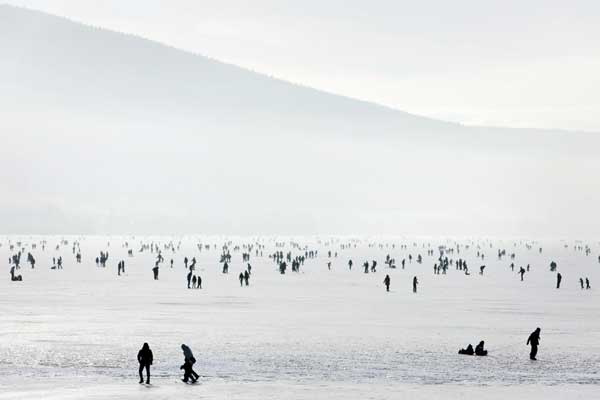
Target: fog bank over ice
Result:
[106, 133]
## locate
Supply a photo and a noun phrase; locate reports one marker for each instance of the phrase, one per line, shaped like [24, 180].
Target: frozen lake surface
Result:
[75, 333]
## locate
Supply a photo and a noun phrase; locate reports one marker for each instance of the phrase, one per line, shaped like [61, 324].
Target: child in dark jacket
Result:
[188, 372]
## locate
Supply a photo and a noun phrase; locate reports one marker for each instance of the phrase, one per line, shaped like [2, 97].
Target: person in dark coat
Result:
[415, 283]
[534, 340]
[386, 282]
[558, 279]
[246, 277]
[13, 277]
[241, 279]
[188, 371]
[479, 350]
[188, 364]
[145, 358]
[468, 351]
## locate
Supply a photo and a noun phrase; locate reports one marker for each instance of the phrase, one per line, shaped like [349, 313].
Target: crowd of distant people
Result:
[296, 258]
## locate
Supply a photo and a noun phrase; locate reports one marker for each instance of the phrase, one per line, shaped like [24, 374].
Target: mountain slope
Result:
[107, 132]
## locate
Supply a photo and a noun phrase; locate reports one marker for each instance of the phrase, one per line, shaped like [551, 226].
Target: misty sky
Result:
[526, 63]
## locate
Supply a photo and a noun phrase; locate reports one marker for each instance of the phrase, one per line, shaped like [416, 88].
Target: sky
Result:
[526, 63]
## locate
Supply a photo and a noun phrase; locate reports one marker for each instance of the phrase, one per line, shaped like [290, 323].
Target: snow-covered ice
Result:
[75, 333]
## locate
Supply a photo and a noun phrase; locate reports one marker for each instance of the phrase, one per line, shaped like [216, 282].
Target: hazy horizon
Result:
[109, 133]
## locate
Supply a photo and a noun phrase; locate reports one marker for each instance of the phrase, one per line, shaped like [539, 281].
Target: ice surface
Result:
[75, 333]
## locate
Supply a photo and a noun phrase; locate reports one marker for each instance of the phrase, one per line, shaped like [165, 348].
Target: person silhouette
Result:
[145, 358]
[241, 279]
[558, 280]
[587, 283]
[534, 340]
[13, 277]
[188, 372]
[468, 351]
[479, 350]
[415, 283]
[188, 364]
[386, 282]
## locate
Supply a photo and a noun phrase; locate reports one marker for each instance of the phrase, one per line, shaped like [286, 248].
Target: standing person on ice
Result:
[522, 272]
[155, 271]
[386, 282]
[145, 358]
[415, 283]
[534, 340]
[558, 279]
[241, 279]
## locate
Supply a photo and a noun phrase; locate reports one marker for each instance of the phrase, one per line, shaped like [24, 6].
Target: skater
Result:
[189, 278]
[479, 351]
[415, 283]
[194, 282]
[386, 282]
[241, 279]
[558, 279]
[534, 340]
[587, 283]
[188, 364]
[581, 283]
[246, 277]
[145, 359]
[522, 272]
[155, 271]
